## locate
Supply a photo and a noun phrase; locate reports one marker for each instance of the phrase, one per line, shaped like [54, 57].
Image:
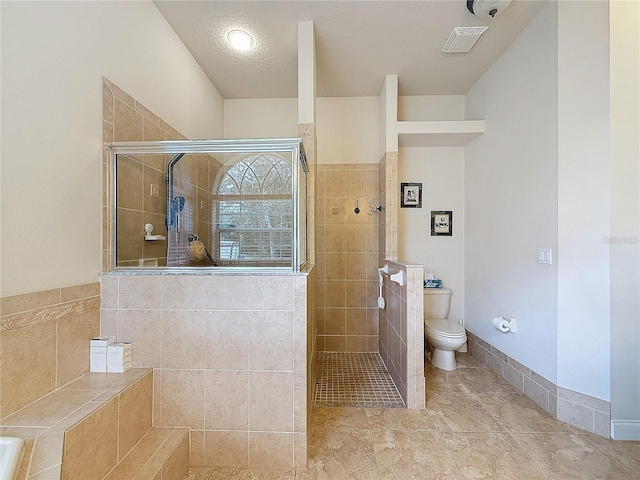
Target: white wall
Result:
[53, 57]
[261, 118]
[441, 172]
[625, 219]
[511, 198]
[431, 107]
[583, 197]
[346, 127]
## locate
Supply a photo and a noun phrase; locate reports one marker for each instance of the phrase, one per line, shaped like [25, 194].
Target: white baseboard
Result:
[625, 429]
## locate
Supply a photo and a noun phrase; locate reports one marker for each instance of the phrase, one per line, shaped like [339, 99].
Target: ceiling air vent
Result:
[462, 39]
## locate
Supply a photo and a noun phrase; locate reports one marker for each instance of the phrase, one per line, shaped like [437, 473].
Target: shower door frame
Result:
[174, 147]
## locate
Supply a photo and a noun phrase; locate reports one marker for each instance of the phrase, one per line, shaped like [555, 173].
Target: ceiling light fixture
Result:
[240, 40]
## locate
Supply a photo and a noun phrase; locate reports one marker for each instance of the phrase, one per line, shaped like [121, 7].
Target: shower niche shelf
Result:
[450, 133]
[153, 238]
[149, 237]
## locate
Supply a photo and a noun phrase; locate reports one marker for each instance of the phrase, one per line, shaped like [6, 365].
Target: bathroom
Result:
[505, 206]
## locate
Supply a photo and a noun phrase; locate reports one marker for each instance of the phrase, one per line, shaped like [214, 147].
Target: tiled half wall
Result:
[577, 409]
[44, 339]
[401, 340]
[229, 353]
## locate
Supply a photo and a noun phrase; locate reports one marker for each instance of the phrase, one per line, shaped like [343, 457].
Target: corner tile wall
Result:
[582, 411]
[402, 333]
[229, 353]
[44, 342]
[307, 132]
[126, 120]
[346, 256]
[233, 354]
[389, 193]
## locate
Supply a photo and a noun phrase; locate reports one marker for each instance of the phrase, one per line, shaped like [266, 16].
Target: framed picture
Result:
[411, 195]
[442, 223]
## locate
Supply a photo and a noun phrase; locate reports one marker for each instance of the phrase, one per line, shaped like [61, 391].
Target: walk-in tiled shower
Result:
[354, 380]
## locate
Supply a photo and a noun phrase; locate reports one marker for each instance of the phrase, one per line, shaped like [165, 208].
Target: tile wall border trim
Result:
[49, 314]
[575, 408]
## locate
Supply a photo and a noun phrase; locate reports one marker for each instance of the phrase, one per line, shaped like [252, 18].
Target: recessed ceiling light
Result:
[240, 40]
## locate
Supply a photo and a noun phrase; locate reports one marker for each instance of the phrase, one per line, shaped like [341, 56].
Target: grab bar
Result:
[397, 277]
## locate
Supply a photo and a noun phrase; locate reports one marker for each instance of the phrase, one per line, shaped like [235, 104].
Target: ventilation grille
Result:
[462, 39]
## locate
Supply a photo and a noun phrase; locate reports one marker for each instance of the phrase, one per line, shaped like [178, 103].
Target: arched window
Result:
[255, 210]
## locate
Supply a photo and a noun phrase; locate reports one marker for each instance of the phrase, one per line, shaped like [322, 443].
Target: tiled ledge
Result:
[43, 423]
[51, 329]
[162, 453]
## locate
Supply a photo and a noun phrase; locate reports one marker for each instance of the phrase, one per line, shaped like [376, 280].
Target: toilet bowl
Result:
[444, 336]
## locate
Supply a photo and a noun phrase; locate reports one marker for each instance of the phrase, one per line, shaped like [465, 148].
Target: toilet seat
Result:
[444, 328]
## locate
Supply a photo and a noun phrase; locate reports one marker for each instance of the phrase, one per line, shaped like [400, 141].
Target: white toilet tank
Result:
[437, 302]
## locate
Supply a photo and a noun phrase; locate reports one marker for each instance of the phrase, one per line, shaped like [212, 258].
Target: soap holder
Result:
[148, 228]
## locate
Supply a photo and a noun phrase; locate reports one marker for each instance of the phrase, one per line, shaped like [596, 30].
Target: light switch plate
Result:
[544, 256]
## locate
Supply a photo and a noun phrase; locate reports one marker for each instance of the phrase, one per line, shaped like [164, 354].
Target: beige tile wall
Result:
[347, 258]
[194, 178]
[389, 193]
[221, 345]
[125, 120]
[401, 340]
[44, 341]
[306, 131]
[229, 354]
[382, 224]
[106, 435]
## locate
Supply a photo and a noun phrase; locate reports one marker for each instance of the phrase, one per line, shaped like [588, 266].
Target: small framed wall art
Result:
[411, 195]
[442, 223]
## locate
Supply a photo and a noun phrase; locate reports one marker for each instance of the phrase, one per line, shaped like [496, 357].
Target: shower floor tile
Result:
[354, 380]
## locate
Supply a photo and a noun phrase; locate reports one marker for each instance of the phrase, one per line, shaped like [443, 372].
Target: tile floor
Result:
[354, 380]
[475, 426]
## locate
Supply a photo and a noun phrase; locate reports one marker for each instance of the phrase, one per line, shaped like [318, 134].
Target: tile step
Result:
[162, 454]
[44, 423]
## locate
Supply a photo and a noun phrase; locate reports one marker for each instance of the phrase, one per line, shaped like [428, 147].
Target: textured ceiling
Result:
[357, 44]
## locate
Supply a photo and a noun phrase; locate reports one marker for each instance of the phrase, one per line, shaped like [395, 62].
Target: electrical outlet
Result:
[154, 190]
[544, 256]
[202, 205]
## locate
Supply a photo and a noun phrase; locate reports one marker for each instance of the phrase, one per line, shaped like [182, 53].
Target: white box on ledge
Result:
[102, 341]
[119, 357]
[98, 353]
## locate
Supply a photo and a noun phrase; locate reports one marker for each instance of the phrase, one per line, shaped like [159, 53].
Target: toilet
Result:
[444, 336]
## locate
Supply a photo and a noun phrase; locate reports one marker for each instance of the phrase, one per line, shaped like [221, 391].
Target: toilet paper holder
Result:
[504, 323]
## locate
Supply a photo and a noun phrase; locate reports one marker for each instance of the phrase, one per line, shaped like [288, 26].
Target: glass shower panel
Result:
[191, 218]
[140, 200]
[302, 213]
[245, 207]
[254, 210]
